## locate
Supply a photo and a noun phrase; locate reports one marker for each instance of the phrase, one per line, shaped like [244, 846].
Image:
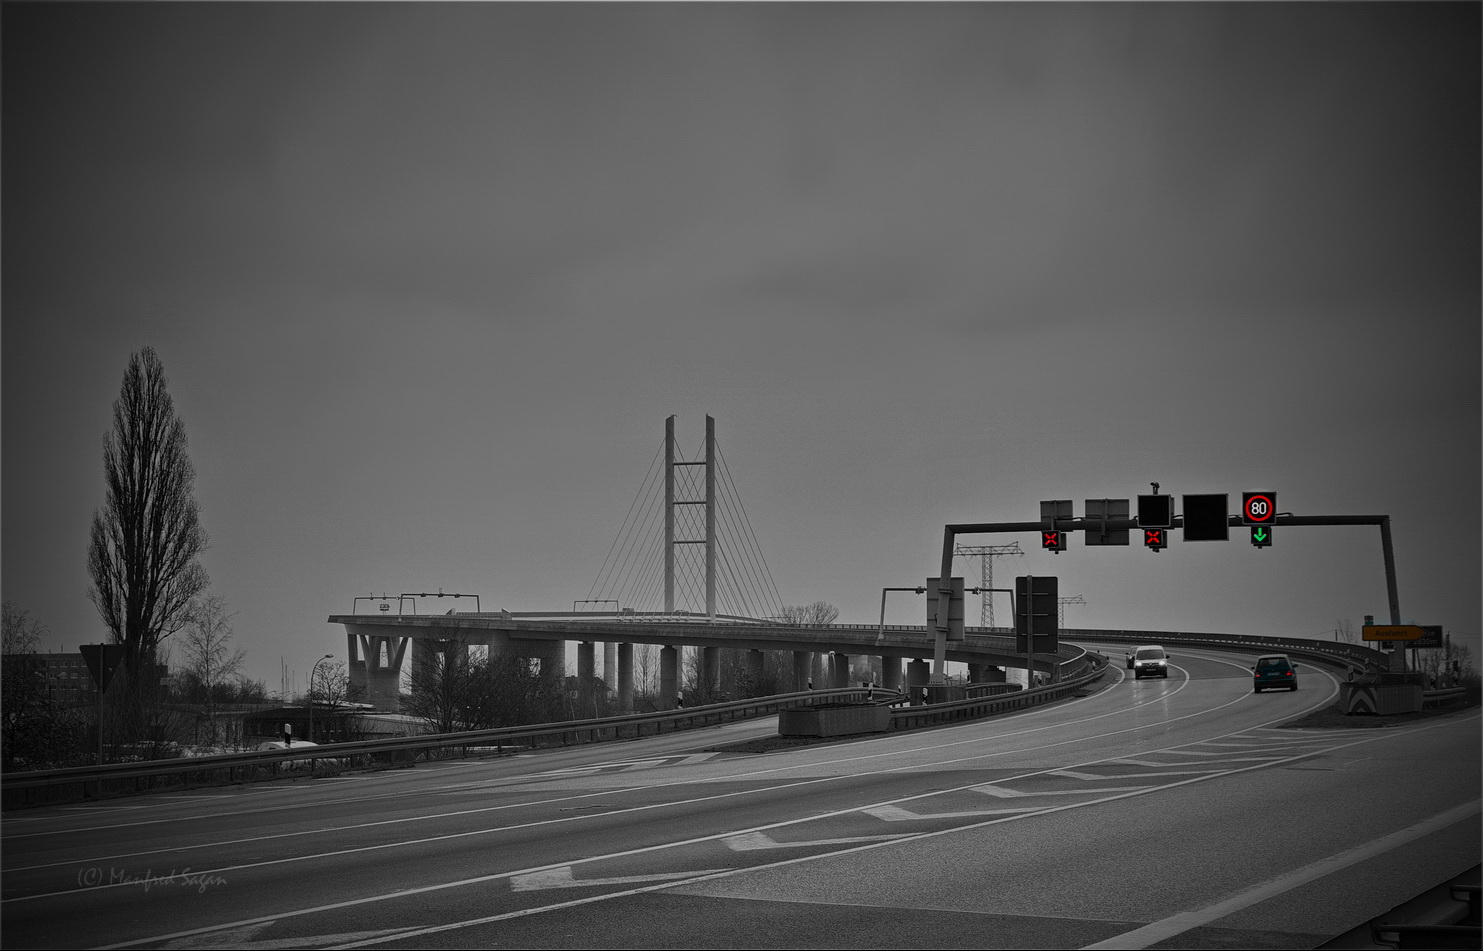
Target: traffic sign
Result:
[1393, 632]
[101, 660]
[1261, 536]
[1036, 612]
[1052, 510]
[1431, 638]
[1155, 511]
[1053, 541]
[1258, 508]
[1155, 538]
[1097, 512]
[1205, 518]
[952, 617]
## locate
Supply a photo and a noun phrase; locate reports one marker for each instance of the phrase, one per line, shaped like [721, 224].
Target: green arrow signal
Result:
[1261, 536]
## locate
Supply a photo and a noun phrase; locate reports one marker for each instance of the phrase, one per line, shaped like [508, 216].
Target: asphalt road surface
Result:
[1153, 813]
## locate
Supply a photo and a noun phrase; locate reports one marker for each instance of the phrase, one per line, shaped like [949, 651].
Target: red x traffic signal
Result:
[1155, 538]
[1053, 541]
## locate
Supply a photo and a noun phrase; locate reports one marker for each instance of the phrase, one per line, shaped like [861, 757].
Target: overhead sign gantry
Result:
[1107, 522]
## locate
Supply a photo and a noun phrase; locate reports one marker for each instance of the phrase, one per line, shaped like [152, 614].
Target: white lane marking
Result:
[562, 878]
[897, 814]
[1003, 793]
[1151, 934]
[246, 939]
[1162, 772]
[1130, 761]
[596, 767]
[761, 841]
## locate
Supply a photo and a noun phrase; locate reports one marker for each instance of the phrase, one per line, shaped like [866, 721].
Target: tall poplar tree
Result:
[147, 537]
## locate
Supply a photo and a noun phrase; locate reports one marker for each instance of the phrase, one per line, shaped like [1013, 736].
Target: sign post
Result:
[1036, 612]
[101, 660]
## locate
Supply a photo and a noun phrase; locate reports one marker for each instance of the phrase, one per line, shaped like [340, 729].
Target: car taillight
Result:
[1289, 673]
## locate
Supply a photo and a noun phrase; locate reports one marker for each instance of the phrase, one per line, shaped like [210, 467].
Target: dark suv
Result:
[1274, 670]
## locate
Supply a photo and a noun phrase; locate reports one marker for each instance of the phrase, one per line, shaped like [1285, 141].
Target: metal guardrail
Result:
[18, 788]
[1366, 658]
[1443, 695]
[974, 708]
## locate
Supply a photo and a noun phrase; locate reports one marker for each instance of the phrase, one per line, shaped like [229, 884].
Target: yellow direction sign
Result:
[1393, 632]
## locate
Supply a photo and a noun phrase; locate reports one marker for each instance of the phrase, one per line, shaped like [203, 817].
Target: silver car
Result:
[1150, 661]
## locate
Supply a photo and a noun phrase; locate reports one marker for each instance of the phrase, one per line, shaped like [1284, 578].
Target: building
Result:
[68, 682]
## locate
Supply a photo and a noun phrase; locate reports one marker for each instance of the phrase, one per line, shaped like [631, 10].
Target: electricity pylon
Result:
[986, 554]
[1074, 599]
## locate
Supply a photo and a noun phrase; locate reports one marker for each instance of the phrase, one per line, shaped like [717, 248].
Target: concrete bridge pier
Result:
[985, 674]
[669, 681]
[916, 680]
[586, 670]
[801, 663]
[610, 665]
[754, 673]
[625, 677]
[891, 673]
[839, 674]
[710, 671]
[425, 662]
[375, 668]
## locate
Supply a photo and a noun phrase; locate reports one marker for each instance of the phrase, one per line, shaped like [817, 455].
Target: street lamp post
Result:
[312, 671]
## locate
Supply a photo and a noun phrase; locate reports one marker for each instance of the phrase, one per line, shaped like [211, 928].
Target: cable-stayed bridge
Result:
[686, 543]
[685, 571]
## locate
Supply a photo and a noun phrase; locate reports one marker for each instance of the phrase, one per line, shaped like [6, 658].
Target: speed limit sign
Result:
[1258, 508]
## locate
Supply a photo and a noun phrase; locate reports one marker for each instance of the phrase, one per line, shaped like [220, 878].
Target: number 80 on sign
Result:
[1258, 508]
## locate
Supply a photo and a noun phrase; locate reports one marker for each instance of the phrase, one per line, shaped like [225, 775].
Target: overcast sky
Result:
[427, 279]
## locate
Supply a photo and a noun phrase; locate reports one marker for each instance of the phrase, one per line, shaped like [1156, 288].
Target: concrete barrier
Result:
[1380, 699]
[834, 720]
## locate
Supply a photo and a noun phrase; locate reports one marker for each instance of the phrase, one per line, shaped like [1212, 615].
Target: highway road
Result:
[1153, 813]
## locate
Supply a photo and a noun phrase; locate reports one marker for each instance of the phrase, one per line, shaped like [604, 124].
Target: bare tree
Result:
[442, 688]
[645, 670]
[210, 663]
[22, 633]
[146, 539]
[330, 690]
[818, 614]
[29, 722]
[1447, 666]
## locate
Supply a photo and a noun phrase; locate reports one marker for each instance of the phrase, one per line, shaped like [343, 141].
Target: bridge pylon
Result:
[709, 541]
